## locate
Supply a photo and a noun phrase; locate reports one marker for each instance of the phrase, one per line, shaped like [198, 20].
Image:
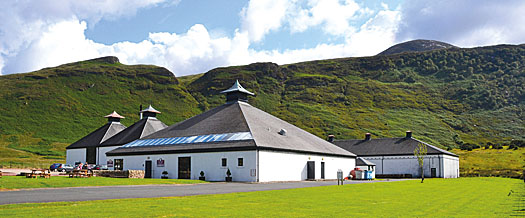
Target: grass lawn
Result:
[18, 182]
[464, 197]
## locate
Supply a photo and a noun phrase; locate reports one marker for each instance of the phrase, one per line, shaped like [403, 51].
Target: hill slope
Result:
[418, 45]
[446, 97]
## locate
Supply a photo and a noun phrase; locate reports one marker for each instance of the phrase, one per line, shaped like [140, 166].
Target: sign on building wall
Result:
[110, 163]
[160, 162]
[252, 172]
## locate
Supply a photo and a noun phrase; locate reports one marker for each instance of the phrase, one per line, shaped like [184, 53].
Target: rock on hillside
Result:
[416, 46]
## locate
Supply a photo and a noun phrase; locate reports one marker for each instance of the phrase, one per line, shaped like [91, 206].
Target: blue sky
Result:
[190, 37]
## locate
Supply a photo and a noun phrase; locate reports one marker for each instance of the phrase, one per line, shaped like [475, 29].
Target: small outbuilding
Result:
[364, 164]
[394, 157]
[86, 149]
[236, 137]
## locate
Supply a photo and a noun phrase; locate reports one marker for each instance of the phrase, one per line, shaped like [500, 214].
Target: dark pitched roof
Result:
[98, 136]
[387, 146]
[239, 117]
[362, 162]
[226, 118]
[141, 128]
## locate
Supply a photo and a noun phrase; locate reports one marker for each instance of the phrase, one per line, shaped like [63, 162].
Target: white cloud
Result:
[261, 17]
[464, 23]
[333, 15]
[24, 22]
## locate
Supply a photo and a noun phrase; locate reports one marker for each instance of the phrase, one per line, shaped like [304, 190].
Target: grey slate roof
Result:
[362, 162]
[238, 117]
[98, 136]
[141, 128]
[387, 146]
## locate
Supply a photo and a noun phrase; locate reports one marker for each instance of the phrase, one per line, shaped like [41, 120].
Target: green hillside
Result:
[446, 97]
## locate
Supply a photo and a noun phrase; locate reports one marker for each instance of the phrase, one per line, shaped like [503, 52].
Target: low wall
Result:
[137, 174]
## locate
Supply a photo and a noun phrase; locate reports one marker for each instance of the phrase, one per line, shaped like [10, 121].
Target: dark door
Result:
[184, 167]
[147, 169]
[322, 170]
[433, 172]
[310, 170]
[91, 155]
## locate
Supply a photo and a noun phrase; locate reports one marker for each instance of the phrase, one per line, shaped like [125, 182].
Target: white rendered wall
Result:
[451, 166]
[287, 166]
[210, 163]
[75, 155]
[408, 165]
[101, 154]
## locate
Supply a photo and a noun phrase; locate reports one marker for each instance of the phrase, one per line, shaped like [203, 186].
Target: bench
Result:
[80, 173]
[42, 173]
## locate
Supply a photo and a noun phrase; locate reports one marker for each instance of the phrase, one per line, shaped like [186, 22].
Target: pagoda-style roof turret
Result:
[114, 117]
[150, 112]
[236, 93]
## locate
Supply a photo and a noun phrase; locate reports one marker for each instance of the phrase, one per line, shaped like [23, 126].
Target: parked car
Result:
[55, 166]
[66, 168]
[96, 167]
[104, 167]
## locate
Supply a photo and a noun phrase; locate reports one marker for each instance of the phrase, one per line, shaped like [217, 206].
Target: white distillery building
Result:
[86, 149]
[394, 157]
[93, 147]
[252, 144]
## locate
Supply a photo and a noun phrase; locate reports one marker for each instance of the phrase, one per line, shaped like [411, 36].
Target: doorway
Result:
[91, 155]
[322, 170]
[184, 168]
[147, 169]
[433, 172]
[310, 170]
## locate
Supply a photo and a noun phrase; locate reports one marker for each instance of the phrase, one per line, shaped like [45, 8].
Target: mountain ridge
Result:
[418, 45]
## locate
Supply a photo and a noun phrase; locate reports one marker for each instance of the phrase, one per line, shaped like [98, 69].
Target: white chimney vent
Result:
[282, 132]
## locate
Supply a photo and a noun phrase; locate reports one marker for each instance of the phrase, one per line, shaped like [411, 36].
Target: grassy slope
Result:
[466, 197]
[44, 111]
[445, 97]
[492, 162]
[19, 182]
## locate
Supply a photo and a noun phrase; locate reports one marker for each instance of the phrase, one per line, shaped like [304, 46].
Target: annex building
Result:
[394, 157]
[253, 145]
[93, 147]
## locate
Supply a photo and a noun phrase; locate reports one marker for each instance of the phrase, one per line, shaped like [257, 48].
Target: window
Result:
[240, 162]
[224, 162]
[119, 164]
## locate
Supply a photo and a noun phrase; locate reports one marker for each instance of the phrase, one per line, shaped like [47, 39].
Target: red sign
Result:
[160, 162]
[110, 163]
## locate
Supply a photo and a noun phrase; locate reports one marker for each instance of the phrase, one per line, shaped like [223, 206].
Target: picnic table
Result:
[35, 173]
[80, 173]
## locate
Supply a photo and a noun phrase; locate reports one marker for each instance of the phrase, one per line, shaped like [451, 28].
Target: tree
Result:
[420, 152]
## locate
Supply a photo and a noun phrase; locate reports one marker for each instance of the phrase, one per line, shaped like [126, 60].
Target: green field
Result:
[492, 162]
[19, 182]
[465, 197]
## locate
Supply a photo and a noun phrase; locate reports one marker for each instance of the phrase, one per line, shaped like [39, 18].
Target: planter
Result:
[202, 178]
[164, 177]
[228, 179]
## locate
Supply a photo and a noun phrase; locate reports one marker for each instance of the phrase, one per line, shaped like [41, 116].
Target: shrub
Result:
[517, 143]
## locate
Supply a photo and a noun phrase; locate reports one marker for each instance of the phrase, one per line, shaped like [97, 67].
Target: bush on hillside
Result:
[497, 146]
[468, 146]
[517, 143]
